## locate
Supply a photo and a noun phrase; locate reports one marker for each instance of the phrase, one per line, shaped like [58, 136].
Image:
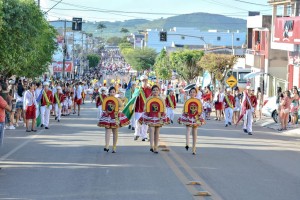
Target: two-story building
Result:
[268, 66]
[286, 36]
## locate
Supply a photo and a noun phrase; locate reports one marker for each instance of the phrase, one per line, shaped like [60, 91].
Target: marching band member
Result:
[229, 104]
[192, 118]
[249, 103]
[154, 116]
[112, 118]
[99, 100]
[171, 105]
[59, 98]
[30, 107]
[77, 97]
[47, 101]
[145, 92]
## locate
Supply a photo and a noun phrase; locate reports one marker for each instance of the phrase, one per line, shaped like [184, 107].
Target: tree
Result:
[101, 27]
[140, 59]
[93, 59]
[27, 41]
[116, 40]
[124, 30]
[162, 66]
[218, 66]
[185, 63]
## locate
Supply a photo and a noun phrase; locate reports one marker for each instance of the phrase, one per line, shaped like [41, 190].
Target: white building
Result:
[179, 36]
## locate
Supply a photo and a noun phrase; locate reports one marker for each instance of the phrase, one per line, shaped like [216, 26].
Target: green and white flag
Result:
[129, 108]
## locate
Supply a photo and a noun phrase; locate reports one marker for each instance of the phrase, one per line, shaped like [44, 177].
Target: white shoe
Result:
[24, 125]
[11, 127]
[17, 125]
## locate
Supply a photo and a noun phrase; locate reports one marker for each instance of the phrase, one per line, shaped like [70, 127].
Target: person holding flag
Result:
[229, 104]
[249, 103]
[129, 95]
[38, 94]
[144, 93]
[59, 98]
[47, 101]
[99, 100]
[170, 104]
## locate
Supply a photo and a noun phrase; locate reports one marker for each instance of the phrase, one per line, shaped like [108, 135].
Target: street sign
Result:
[77, 24]
[231, 81]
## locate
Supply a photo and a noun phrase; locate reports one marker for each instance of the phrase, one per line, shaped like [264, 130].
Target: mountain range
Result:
[203, 21]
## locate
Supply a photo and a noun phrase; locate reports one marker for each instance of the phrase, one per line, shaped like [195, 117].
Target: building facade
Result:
[180, 37]
[286, 35]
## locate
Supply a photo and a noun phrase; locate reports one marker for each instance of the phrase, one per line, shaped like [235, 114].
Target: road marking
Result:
[202, 194]
[4, 157]
[192, 173]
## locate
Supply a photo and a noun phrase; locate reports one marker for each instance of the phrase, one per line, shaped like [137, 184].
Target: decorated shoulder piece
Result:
[228, 101]
[46, 98]
[171, 102]
[193, 107]
[154, 104]
[111, 106]
[57, 100]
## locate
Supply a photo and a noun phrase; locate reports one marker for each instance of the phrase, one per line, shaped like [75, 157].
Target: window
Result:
[218, 38]
[237, 39]
[241, 77]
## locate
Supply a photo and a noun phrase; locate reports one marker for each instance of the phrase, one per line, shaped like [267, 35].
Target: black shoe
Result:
[46, 127]
[129, 127]
[136, 137]
[187, 147]
[249, 133]
[133, 128]
[42, 125]
[226, 125]
[229, 123]
[27, 130]
[245, 131]
[114, 151]
[78, 114]
[194, 153]
[172, 121]
[151, 149]
[33, 130]
[155, 152]
[55, 118]
[58, 120]
[144, 139]
[105, 149]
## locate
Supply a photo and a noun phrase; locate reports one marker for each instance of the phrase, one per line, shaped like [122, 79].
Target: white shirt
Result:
[29, 99]
[77, 92]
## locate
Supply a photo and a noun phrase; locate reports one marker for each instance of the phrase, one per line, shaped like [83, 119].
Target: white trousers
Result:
[140, 130]
[45, 115]
[228, 115]
[170, 113]
[99, 112]
[57, 111]
[132, 121]
[248, 120]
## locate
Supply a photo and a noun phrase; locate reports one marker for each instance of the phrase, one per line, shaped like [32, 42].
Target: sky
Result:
[120, 10]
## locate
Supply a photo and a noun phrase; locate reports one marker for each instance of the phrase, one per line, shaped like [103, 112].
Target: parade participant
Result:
[249, 103]
[46, 105]
[171, 105]
[177, 93]
[99, 100]
[77, 98]
[19, 96]
[295, 105]
[123, 99]
[111, 118]
[218, 100]
[154, 116]
[29, 107]
[207, 98]
[59, 98]
[145, 92]
[192, 118]
[237, 105]
[84, 91]
[229, 104]
[132, 120]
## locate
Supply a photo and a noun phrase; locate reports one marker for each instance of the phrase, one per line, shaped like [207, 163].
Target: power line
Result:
[247, 2]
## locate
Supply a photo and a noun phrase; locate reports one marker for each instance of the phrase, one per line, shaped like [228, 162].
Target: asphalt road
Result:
[68, 162]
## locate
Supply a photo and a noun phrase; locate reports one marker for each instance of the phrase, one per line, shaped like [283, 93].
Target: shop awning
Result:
[252, 75]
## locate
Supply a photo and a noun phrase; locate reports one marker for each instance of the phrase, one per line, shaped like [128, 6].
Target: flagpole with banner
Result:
[129, 108]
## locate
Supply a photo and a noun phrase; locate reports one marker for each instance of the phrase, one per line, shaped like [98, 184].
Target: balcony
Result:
[280, 2]
[255, 58]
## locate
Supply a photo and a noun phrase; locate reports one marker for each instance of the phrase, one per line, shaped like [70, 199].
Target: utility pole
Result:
[232, 43]
[39, 3]
[64, 50]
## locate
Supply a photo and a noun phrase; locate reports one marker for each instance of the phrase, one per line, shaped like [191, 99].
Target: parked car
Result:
[270, 109]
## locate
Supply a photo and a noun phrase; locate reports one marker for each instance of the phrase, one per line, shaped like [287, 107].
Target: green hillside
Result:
[203, 21]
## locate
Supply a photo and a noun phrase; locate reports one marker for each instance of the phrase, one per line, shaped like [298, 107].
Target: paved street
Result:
[68, 162]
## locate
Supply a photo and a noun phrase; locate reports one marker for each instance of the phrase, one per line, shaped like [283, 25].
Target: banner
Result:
[58, 66]
[287, 30]
[129, 108]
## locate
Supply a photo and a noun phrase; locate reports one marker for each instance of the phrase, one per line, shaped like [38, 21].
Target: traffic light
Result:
[163, 36]
[77, 24]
